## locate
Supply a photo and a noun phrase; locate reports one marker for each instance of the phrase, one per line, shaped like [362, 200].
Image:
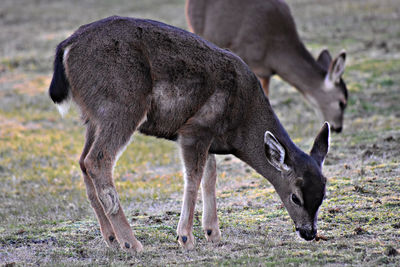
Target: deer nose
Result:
[306, 233]
[337, 129]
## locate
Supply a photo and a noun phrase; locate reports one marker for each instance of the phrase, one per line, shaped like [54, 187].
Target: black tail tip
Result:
[58, 90]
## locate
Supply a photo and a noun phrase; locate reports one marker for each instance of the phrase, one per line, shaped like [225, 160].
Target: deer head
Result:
[302, 185]
[333, 101]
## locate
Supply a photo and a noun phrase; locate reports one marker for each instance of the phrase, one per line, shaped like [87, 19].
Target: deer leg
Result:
[265, 85]
[111, 136]
[194, 151]
[105, 225]
[210, 218]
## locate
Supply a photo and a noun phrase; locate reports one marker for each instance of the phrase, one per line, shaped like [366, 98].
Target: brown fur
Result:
[127, 74]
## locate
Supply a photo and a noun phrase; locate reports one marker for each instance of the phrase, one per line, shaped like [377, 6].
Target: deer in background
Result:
[263, 33]
[129, 74]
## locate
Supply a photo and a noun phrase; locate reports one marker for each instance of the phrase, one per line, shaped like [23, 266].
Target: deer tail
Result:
[59, 88]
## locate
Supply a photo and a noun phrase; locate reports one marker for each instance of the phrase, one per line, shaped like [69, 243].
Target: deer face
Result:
[301, 185]
[331, 100]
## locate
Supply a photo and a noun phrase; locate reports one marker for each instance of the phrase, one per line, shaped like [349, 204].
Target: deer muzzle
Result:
[307, 233]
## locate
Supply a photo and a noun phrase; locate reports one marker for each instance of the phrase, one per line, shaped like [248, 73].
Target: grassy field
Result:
[46, 219]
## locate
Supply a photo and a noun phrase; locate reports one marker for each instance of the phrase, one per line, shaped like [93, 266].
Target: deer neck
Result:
[298, 67]
[250, 143]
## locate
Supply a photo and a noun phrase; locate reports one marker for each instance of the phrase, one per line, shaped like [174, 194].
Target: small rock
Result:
[359, 231]
[391, 251]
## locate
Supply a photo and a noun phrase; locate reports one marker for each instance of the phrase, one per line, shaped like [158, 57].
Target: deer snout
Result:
[336, 129]
[307, 233]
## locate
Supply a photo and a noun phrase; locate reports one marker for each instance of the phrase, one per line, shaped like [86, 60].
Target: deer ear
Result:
[336, 68]
[321, 144]
[324, 59]
[275, 152]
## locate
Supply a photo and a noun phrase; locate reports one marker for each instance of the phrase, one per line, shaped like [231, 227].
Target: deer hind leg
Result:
[210, 217]
[105, 225]
[194, 149]
[111, 136]
[265, 85]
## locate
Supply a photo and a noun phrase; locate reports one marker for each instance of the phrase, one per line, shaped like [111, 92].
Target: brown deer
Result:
[263, 33]
[130, 74]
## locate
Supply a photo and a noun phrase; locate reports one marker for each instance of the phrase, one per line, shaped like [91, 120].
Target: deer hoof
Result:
[213, 236]
[186, 242]
[132, 247]
[112, 242]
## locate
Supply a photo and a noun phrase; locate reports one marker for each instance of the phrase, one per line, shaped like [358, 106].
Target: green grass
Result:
[46, 219]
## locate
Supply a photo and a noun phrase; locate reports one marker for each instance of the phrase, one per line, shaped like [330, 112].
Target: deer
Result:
[126, 74]
[263, 33]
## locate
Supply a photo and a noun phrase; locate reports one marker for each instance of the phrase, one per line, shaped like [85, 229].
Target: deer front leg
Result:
[194, 155]
[210, 217]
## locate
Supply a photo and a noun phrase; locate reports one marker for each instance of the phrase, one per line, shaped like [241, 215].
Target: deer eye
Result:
[296, 200]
